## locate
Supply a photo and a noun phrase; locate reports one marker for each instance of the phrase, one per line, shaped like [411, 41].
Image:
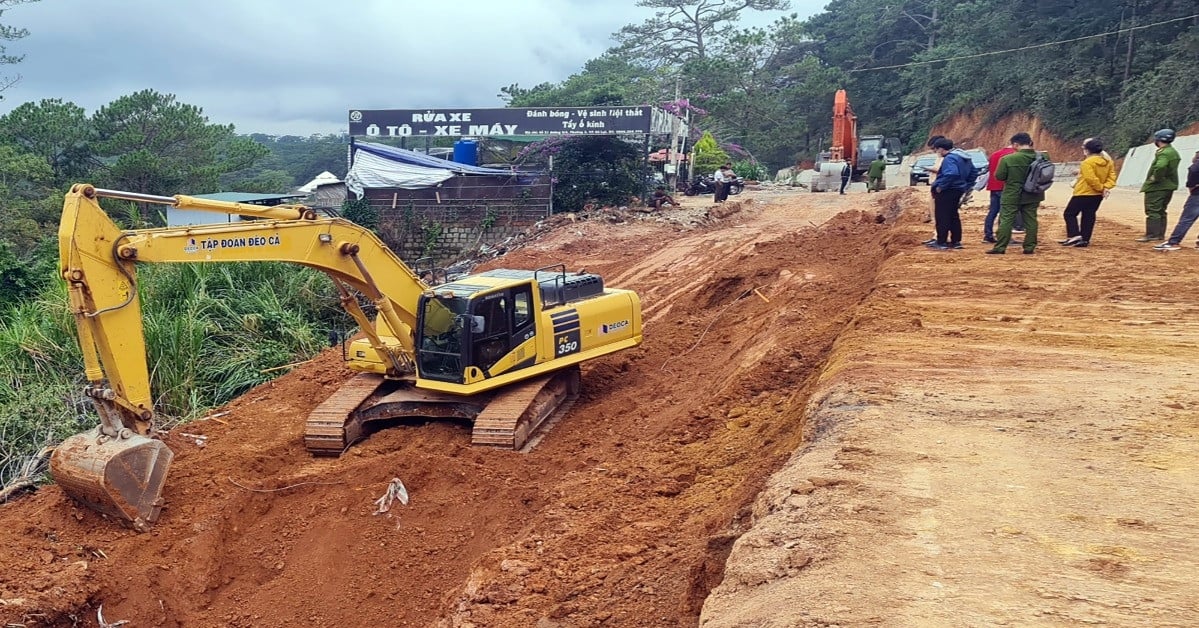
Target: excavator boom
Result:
[499, 349]
[845, 130]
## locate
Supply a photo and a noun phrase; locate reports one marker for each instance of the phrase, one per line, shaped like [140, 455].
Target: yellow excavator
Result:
[499, 349]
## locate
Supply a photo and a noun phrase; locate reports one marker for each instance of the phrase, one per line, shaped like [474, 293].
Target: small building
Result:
[324, 178]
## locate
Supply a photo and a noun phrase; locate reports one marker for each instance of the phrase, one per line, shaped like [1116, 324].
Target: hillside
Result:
[970, 130]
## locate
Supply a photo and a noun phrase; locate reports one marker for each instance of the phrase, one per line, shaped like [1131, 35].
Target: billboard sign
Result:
[509, 121]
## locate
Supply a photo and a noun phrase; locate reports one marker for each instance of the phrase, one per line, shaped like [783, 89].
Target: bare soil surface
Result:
[977, 129]
[826, 424]
[994, 441]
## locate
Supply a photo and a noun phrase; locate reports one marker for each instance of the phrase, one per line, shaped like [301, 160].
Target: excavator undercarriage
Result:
[506, 419]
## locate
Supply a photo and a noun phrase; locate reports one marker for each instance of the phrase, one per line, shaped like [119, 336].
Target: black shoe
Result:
[1082, 244]
[956, 245]
[989, 239]
[934, 241]
[1028, 252]
[1071, 241]
[939, 247]
[995, 252]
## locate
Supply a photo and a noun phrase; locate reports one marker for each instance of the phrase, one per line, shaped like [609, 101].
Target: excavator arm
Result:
[845, 130]
[500, 349]
[117, 468]
[98, 263]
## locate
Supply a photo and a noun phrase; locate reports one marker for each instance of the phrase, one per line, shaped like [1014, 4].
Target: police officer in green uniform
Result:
[1159, 185]
[878, 169]
[1013, 170]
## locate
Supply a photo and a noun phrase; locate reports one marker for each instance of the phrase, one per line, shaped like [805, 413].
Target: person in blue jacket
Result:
[952, 182]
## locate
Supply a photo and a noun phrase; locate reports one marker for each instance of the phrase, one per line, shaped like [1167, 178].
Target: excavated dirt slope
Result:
[624, 514]
[977, 130]
[827, 425]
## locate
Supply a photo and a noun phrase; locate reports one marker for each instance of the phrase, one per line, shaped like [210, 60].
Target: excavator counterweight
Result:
[499, 350]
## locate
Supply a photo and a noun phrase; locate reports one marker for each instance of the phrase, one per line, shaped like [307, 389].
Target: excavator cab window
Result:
[492, 343]
[442, 326]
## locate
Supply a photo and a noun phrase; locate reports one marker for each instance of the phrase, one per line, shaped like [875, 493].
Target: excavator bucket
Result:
[120, 477]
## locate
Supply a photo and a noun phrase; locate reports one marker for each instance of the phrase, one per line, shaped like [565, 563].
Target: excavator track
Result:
[505, 419]
[515, 413]
[334, 425]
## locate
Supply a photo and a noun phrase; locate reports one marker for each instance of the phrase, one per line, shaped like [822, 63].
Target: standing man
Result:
[846, 174]
[1159, 185]
[1190, 209]
[1013, 170]
[995, 187]
[878, 169]
[952, 182]
[721, 187]
[932, 179]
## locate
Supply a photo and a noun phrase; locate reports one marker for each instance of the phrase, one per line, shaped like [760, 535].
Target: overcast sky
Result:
[296, 67]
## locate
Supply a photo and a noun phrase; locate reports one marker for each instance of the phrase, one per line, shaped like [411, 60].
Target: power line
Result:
[1045, 45]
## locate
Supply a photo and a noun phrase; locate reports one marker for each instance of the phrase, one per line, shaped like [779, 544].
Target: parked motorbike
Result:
[703, 184]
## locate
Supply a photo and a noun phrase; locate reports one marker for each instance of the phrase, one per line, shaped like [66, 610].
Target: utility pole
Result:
[673, 178]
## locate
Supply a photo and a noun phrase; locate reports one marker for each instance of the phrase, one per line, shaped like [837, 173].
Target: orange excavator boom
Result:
[845, 130]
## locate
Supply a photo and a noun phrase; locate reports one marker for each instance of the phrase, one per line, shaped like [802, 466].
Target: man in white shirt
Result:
[720, 179]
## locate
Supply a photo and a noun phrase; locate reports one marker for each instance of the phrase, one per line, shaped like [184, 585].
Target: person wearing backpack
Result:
[1015, 199]
[1096, 177]
[1159, 185]
[956, 176]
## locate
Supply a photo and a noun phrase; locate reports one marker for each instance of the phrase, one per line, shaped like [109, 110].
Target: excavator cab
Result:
[443, 329]
[483, 328]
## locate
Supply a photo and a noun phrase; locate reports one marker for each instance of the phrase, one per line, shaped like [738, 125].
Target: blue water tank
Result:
[466, 152]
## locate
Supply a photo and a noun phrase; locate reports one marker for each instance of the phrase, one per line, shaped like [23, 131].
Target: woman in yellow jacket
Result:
[1096, 178]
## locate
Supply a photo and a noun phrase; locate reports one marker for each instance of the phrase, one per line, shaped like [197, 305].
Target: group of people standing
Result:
[876, 174]
[1015, 206]
[1016, 209]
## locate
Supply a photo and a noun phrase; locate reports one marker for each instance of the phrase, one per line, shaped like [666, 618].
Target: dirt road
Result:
[994, 441]
[827, 424]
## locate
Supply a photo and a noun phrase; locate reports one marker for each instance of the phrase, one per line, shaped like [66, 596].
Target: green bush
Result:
[360, 212]
[750, 169]
[211, 331]
[709, 155]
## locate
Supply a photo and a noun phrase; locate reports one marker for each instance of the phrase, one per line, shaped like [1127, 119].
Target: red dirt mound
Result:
[622, 515]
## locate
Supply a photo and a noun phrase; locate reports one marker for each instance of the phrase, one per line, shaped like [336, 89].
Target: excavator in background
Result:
[500, 349]
[847, 146]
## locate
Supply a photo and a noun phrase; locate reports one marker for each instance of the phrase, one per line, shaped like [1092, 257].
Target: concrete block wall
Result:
[446, 231]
